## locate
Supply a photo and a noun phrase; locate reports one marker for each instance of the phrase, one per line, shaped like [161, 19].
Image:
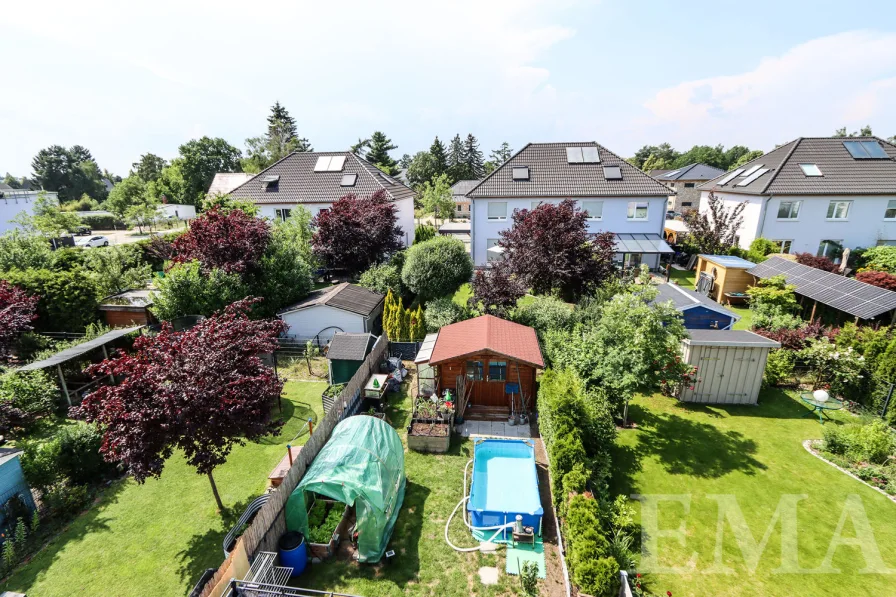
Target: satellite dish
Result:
[821, 395]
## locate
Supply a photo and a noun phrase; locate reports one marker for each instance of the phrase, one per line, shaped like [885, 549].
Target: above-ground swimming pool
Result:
[505, 483]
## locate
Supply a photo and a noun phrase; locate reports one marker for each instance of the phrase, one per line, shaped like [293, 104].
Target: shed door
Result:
[727, 374]
[487, 377]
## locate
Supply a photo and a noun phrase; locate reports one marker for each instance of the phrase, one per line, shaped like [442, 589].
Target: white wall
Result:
[177, 210]
[404, 209]
[864, 227]
[614, 219]
[10, 207]
[307, 323]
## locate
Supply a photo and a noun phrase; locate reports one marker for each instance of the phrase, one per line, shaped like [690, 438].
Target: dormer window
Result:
[521, 173]
[270, 181]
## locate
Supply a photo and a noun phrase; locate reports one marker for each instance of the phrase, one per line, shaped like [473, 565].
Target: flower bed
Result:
[429, 436]
[327, 522]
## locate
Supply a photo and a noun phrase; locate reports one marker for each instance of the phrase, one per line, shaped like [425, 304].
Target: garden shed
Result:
[362, 465]
[340, 308]
[12, 482]
[730, 365]
[128, 308]
[723, 277]
[346, 354]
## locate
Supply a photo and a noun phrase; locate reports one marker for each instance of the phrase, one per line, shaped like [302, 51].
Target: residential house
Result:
[340, 308]
[14, 202]
[816, 194]
[684, 182]
[459, 192]
[618, 198]
[315, 180]
[224, 182]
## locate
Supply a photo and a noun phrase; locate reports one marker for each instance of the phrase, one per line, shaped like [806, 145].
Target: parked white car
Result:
[93, 241]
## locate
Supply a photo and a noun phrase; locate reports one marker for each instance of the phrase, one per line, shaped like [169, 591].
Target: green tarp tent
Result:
[362, 465]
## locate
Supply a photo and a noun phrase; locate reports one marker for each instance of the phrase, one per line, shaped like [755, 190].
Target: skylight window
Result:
[865, 150]
[270, 180]
[590, 155]
[752, 177]
[349, 180]
[329, 163]
[388, 178]
[574, 155]
[521, 173]
[730, 177]
[612, 173]
[752, 170]
[811, 170]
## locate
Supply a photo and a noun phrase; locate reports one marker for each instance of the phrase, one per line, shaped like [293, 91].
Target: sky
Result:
[126, 78]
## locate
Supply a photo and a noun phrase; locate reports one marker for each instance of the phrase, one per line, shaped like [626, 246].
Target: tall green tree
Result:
[746, 158]
[663, 151]
[405, 161]
[12, 181]
[865, 131]
[422, 168]
[149, 167]
[439, 155]
[170, 186]
[703, 154]
[435, 195]
[378, 153]
[501, 155]
[129, 192]
[48, 219]
[280, 140]
[473, 159]
[457, 166]
[201, 159]
[70, 172]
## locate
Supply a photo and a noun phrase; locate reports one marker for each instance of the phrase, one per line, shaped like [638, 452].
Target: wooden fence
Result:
[270, 522]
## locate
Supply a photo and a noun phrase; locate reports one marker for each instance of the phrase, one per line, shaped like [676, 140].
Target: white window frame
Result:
[835, 205]
[590, 217]
[891, 205]
[492, 218]
[811, 170]
[632, 212]
[283, 213]
[824, 243]
[786, 245]
[791, 217]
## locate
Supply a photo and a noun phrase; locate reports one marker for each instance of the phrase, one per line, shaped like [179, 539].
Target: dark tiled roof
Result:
[550, 175]
[844, 294]
[462, 187]
[841, 173]
[349, 347]
[299, 183]
[656, 173]
[345, 296]
[690, 172]
[684, 298]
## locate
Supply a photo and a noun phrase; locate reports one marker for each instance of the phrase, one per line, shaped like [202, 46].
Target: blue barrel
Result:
[293, 552]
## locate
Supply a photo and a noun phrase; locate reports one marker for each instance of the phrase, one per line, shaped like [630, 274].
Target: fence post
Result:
[886, 406]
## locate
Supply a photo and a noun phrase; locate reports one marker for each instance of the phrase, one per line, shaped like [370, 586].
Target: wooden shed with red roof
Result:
[487, 362]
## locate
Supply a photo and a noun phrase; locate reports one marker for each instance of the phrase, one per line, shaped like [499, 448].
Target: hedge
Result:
[68, 299]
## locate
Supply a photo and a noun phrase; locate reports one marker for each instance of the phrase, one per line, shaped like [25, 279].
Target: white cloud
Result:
[812, 89]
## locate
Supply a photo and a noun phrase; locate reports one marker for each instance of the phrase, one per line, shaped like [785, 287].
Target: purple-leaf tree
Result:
[202, 391]
[496, 290]
[550, 250]
[714, 231]
[357, 232]
[17, 310]
[233, 241]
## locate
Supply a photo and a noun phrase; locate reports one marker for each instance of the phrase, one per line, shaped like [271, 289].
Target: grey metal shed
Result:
[730, 365]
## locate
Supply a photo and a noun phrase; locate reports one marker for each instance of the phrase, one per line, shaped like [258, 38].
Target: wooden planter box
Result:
[323, 551]
[429, 443]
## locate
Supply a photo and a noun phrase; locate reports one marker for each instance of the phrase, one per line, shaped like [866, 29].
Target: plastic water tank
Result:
[293, 552]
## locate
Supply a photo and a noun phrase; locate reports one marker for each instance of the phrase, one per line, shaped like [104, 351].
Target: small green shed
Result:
[346, 353]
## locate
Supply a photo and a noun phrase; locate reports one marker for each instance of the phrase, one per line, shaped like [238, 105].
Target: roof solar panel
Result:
[752, 177]
[322, 164]
[730, 177]
[336, 163]
[856, 150]
[874, 149]
[574, 155]
[752, 169]
[590, 155]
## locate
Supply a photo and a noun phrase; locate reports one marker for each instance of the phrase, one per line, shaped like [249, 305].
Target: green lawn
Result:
[424, 563]
[159, 537]
[756, 455]
[688, 280]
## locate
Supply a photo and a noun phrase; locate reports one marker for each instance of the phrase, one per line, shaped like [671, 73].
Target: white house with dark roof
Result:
[316, 179]
[816, 195]
[340, 308]
[683, 182]
[618, 197]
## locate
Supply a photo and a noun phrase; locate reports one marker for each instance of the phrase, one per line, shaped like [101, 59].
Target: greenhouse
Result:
[362, 465]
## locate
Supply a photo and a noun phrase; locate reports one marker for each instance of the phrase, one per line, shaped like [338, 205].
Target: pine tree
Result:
[405, 161]
[440, 157]
[501, 155]
[457, 167]
[387, 313]
[398, 321]
[419, 324]
[378, 154]
[282, 135]
[473, 158]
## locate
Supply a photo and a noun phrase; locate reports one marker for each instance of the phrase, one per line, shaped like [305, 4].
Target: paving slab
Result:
[488, 575]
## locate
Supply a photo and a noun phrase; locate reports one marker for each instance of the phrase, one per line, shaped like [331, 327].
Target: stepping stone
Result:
[488, 575]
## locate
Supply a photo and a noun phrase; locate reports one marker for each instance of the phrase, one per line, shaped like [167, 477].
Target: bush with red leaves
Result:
[798, 339]
[822, 263]
[497, 289]
[232, 241]
[202, 391]
[879, 279]
[17, 310]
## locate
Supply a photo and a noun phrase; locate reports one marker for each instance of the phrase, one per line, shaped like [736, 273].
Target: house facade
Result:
[15, 202]
[683, 182]
[618, 197]
[315, 180]
[459, 192]
[815, 195]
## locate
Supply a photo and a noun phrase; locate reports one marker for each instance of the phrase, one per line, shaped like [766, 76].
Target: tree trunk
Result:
[215, 491]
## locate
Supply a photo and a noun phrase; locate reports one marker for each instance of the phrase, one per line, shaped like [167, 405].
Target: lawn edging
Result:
[810, 447]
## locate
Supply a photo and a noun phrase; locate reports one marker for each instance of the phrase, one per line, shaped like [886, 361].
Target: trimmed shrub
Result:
[423, 233]
[437, 267]
[185, 290]
[68, 299]
[544, 313]
[879, 279]
[761, 248]
[80, 460]
[779, 367]
[441, 312]
[33, 392]
[382, 278]
[882, 259]
[822, 263]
